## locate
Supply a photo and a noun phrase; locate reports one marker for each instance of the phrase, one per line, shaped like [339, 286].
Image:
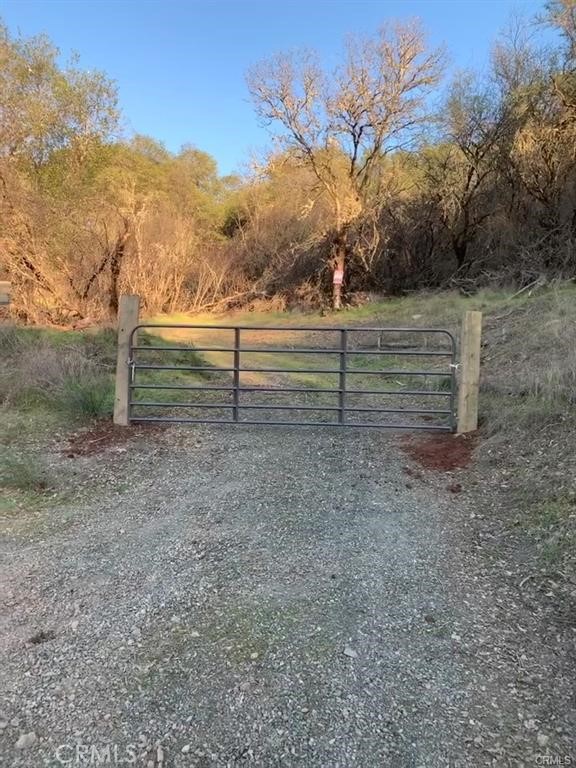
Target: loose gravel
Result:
[269, 597]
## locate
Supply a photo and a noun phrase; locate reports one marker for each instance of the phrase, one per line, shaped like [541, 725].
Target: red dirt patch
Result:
[105, 435]
[441, 452]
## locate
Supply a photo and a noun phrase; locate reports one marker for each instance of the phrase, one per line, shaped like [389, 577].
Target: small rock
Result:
[42, 636]
[254, 655]
[542, 739]
[74, 625]
[26, 740]
[194, 633]
[350, 652]
[185, 749]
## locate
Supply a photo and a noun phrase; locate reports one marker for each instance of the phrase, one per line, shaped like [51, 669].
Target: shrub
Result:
[70, 373]
[90, 396]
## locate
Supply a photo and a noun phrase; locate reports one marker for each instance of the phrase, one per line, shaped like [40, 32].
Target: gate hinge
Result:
[131, 364]
[454, 366]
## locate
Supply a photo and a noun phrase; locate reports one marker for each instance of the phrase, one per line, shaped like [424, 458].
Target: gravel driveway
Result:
[270, 597]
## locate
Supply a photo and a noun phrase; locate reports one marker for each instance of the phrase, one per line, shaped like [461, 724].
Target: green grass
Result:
[529, 361]
[289, 364]
[52, 380]
[184, 357]
[527, 413]
[88, 398]
[23, 472]
[529, 365]
[433, 309]
[70, 374]
[528, 338]
[552, 522]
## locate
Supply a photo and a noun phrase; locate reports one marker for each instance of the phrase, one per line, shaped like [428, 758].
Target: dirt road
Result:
[270, 597]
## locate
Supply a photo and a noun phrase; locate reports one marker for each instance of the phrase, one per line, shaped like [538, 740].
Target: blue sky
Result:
[180, 65]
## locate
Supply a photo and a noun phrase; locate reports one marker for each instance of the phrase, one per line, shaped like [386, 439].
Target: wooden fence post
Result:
[470, 341]
[5, 291]
[128, 310]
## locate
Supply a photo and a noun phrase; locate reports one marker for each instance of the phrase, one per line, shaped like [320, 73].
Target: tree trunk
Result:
[116, 259]
[460, 247]
[338, 263]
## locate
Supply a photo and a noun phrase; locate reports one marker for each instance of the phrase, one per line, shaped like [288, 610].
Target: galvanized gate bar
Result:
[293, 328]
[350, 391]
[358, 425]
[342, 377]
[247, 369]
[342, 349]
[236, 384]
[275, 407]
[412, 353]
[316, 390]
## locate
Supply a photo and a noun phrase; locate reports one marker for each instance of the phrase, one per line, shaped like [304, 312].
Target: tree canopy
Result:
[380, 168]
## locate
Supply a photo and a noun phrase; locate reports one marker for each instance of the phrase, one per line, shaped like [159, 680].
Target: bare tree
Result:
[462, 172]
[341, 125]
[561, 15]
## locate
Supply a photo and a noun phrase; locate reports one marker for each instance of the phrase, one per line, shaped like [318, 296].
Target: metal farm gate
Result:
[395, 378]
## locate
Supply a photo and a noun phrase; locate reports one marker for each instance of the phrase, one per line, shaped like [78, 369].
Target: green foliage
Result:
[70, 373]
[67, 372]
[486, 198]
[87, 397]
[552, 521]
[23, 472]
[45, 107]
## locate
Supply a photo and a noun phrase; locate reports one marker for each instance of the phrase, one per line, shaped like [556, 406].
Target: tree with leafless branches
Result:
[341, 124]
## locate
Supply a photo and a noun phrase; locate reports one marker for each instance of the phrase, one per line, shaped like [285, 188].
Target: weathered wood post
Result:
[5, 292]
[128, 310]
[470, 341]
